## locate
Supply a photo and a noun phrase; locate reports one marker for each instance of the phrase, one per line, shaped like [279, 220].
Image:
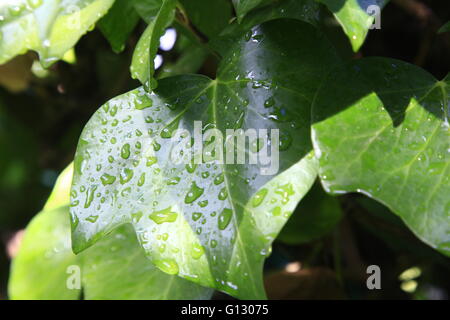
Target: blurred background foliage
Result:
[42, 113]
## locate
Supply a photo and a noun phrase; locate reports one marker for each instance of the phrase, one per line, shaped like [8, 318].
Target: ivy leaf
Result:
[445, 28]
[148, 9]
[316, 216]
[48, 27]
[45, 246]
[381, 128]
[118, 24]
[303, 10]
[137, 279]
[220, 219]
[354, 17]
[143, 65]
[210, 17]
[242, 7]
[116, 268]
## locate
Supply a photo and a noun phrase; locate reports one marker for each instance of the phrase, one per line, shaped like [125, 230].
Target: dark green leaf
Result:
[242, 7]
[143, 65]
[316, 215]
[354, 17]
[49, 27]
[118, 24]
[303, 10]
[148, 9]
[381, 128]
[220, 219]
[445, 28]
[210, 17]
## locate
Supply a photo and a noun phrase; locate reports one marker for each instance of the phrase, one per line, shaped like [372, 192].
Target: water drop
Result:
[165, 215]
[194, 193]
[225, 218]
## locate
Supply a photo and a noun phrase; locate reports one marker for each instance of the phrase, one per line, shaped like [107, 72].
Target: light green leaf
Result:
[316, 216]
[381, 128]
[143, 65]
[220, 219]
[118, 24]
[49, 27]
[115, 268]
[354, 17]
[45, 247]
[445, 28]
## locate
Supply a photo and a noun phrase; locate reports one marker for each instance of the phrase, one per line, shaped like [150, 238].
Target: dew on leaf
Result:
[151, 161]
[223, 194]
[197, 251]
[225, 218]
[107, 179]
[168, 266]
[125, 151]
[194, 193]
[165, 215]
[126, 175]
[258, 198]
[196, 216]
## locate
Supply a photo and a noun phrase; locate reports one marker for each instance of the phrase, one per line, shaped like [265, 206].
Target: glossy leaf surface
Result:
[381, 128]
[219, 219]
[49, 27]
[143, 65]
[116, 268]
[355, 16]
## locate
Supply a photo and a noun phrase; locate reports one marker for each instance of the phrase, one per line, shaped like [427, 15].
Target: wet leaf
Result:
[445, 28]
[355, 17]
[219, 219]
[242, 7]
[143, 65]
[49, 27]
[118, 24]
[115, 268]
[303, 10]
[381, 128]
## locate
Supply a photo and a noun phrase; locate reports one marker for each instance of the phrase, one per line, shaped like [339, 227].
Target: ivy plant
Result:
[141, 225]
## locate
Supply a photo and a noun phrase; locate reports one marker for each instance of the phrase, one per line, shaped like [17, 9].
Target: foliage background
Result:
[42, 118]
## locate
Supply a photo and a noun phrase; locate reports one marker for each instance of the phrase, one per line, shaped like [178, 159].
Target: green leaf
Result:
[118, 24]
[210, 17]
[381, 128]
[49, 27]
[189, 61]
[45, 247]
[445, 28]
[354, 17]
[220, 219]
[242, 7]
[316, 216]
[115, 268]
[143, 65]
[148, 9]
[303, 10]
